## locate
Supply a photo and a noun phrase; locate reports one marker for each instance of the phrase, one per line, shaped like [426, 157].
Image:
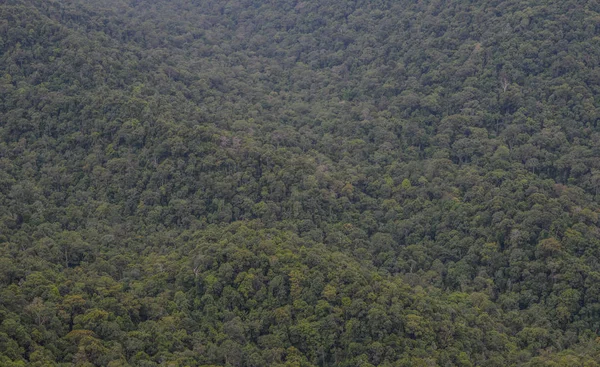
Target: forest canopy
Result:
[299, 183]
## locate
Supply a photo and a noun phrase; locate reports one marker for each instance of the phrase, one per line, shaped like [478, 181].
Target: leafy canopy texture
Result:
[299, 183]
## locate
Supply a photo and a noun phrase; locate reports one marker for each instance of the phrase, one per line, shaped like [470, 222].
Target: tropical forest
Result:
[299, 183]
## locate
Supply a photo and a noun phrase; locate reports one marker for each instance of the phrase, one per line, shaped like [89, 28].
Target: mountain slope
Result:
[299, 183]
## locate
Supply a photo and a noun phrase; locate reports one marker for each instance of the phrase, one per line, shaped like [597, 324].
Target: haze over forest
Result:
[292, 183]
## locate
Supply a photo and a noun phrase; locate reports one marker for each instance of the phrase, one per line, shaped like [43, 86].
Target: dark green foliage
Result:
[317, 183]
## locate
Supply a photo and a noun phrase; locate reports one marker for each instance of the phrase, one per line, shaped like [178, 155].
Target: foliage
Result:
[314, 183]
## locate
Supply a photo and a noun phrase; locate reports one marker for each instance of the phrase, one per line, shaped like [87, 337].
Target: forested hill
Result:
[299, 183]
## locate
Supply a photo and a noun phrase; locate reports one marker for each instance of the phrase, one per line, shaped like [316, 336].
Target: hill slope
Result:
[319, 183]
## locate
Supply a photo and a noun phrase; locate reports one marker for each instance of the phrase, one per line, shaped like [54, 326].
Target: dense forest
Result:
[293, 183]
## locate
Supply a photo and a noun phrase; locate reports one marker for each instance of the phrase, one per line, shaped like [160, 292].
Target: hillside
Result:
[299, 183]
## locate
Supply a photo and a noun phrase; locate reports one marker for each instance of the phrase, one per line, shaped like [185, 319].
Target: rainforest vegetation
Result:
[294, 183]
